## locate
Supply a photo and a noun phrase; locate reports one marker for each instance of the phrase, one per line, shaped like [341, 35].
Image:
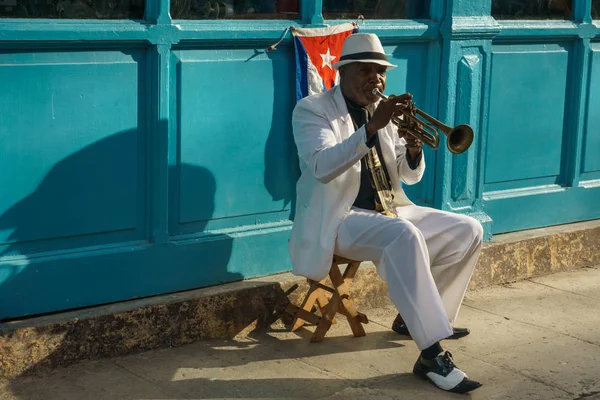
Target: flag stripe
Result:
[301, 69]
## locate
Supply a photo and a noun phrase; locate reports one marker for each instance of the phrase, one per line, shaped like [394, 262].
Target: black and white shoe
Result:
[399, 326]
[444, 374]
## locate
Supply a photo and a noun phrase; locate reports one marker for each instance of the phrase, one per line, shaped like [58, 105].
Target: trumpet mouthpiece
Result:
[377, 92]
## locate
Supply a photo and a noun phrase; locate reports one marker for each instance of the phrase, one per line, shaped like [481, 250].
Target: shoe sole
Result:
[454, 336]
[463, 387]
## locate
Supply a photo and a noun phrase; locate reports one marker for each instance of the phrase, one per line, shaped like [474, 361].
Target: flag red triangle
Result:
[323, 51]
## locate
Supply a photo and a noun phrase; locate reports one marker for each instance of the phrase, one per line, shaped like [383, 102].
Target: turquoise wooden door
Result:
[543, 143]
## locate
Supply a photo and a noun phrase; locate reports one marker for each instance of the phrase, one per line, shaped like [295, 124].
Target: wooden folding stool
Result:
[338, 301]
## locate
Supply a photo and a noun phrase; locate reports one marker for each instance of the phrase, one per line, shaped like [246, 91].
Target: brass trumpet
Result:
[425, 128]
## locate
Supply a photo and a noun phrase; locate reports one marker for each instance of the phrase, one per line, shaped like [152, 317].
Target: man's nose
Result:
[374, 76]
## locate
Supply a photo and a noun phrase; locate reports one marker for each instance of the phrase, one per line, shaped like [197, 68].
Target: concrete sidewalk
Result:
[535, 339]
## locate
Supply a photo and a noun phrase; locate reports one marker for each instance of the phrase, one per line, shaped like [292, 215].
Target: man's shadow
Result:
[281, 156]
[91, 200]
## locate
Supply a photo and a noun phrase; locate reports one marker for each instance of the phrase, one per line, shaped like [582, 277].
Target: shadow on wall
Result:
[83, 198]
[93, 199]
[281, 155]
[101, 198]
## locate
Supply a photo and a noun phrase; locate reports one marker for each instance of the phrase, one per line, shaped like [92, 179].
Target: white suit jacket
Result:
[329, 151]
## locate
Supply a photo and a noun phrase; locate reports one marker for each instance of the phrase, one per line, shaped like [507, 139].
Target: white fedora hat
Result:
[363, 47]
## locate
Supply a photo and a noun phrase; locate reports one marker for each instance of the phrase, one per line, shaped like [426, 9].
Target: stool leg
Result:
[309, 301]
[350, 271]
[347, 306]
[326, 319]
[322, 300]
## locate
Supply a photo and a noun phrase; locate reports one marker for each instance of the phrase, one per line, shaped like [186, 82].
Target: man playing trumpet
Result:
[350, 202]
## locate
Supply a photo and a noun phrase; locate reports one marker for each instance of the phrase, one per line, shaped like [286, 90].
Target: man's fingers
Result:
[411, 142]
[391, 108]
[401, 98]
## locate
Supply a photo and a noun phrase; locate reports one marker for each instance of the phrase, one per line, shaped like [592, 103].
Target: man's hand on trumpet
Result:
[386, 110]
[413, 146]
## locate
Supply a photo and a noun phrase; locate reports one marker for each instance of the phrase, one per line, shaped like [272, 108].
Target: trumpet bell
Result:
[460, 139]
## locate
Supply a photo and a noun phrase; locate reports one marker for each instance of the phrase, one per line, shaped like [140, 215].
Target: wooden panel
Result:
[237, 155]
[70, 144]
[591, 144]
[409, 76]
[527, 101]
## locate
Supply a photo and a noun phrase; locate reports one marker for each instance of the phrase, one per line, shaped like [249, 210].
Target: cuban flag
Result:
[316, 50]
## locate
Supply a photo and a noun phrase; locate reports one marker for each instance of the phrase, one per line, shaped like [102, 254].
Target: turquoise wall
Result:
[140, 158]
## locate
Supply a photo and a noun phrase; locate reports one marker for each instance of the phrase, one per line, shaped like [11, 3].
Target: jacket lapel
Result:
[346, 127]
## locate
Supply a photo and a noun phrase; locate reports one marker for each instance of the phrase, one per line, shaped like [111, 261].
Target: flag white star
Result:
[327, 59]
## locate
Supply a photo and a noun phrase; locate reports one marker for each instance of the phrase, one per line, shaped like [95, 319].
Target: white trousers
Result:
[427, 258]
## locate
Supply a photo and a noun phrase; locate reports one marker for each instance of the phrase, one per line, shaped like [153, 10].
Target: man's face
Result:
[358, 80]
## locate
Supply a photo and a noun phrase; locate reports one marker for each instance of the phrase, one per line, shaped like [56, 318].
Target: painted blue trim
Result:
[582, 11]
[248, 222]
[437, 10]
[484, 122]
[429, 105]
[466, 28]
[162, 14]
[159, 132]
[576, 111]
[59, 30]
[36, 248]
[311, 12]
[539, 181]
[545, 29]
[467, 31]
[539, 207]
[82, 251]
[469, 8]
[234, 32]
[173, 145]
[390, 31]
[238, 231]
[592, 180]
[137, 270]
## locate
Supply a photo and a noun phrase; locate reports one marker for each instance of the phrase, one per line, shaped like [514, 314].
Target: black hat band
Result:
[367, 55]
